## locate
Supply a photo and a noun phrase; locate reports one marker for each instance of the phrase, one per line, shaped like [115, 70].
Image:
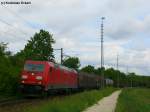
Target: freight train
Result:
[42, 77]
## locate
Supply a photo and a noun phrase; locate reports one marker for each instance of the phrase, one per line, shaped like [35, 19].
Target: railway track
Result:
[10, 101]
[21, 105]
[16, 101]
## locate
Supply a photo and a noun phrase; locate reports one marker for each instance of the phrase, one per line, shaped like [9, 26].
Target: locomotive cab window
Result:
[34, 67]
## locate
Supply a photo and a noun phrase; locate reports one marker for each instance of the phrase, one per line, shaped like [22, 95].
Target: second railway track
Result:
[16, 101]
[7, 102]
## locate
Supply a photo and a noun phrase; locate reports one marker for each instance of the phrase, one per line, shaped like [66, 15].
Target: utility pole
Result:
[61, 56]
[131, 82]
[127, 76]
[127, 70]
[117, 71]
[130, 78]
[102, 51]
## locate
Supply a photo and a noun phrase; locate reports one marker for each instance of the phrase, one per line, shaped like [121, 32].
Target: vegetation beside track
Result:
[134, 100]
[73, 103]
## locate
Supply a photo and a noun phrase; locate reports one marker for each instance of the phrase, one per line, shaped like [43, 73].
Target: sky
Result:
[75, 25]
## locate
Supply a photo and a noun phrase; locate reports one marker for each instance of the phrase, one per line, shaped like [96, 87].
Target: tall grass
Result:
[73, 103]
[134, 100]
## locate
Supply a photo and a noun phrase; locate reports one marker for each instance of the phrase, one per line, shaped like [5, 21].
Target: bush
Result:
[9, 75]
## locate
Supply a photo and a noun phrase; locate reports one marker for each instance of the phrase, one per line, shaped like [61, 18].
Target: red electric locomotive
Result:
[43, 76]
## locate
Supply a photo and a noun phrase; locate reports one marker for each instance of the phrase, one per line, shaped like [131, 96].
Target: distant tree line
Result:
[120, 78]
[39, 47]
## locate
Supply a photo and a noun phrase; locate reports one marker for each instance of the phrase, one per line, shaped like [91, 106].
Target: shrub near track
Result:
[73, 103]
[134, 100]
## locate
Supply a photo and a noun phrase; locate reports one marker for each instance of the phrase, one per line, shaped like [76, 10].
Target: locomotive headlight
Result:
[39, 82]
[39, 77]
[24, 77]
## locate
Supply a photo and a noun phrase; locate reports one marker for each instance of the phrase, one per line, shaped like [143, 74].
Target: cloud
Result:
[75, 25]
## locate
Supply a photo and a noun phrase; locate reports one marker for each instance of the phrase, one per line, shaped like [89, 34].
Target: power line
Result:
[15, 14]
[8, 33]
[12, 26]
[5, 22]
[19, 17]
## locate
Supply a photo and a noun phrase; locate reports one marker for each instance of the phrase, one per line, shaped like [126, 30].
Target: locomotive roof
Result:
[54, 65]
[65, 68]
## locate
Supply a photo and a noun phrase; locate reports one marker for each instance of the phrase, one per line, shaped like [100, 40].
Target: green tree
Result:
[3, 47]
[98, 71]
[9, 73]
[88, 69]
[72, 62]
[39, 47]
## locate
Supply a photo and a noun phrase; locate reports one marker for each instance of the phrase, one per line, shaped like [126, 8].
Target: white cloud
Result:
[76, 27]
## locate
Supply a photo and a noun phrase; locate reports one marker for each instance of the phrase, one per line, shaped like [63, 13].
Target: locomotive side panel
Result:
[61, 78]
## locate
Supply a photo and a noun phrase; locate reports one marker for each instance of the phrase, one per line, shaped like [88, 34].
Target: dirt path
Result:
[107, 104]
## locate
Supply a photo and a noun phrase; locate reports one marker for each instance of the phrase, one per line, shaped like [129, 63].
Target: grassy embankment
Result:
[73, 103]
[134, 100]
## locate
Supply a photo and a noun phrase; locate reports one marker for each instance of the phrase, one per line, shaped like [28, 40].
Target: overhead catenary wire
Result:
[13, 27]
[18, 16]
[15, 14]
[8, 33]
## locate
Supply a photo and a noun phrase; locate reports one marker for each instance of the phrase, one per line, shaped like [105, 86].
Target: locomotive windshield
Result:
[34, 67]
